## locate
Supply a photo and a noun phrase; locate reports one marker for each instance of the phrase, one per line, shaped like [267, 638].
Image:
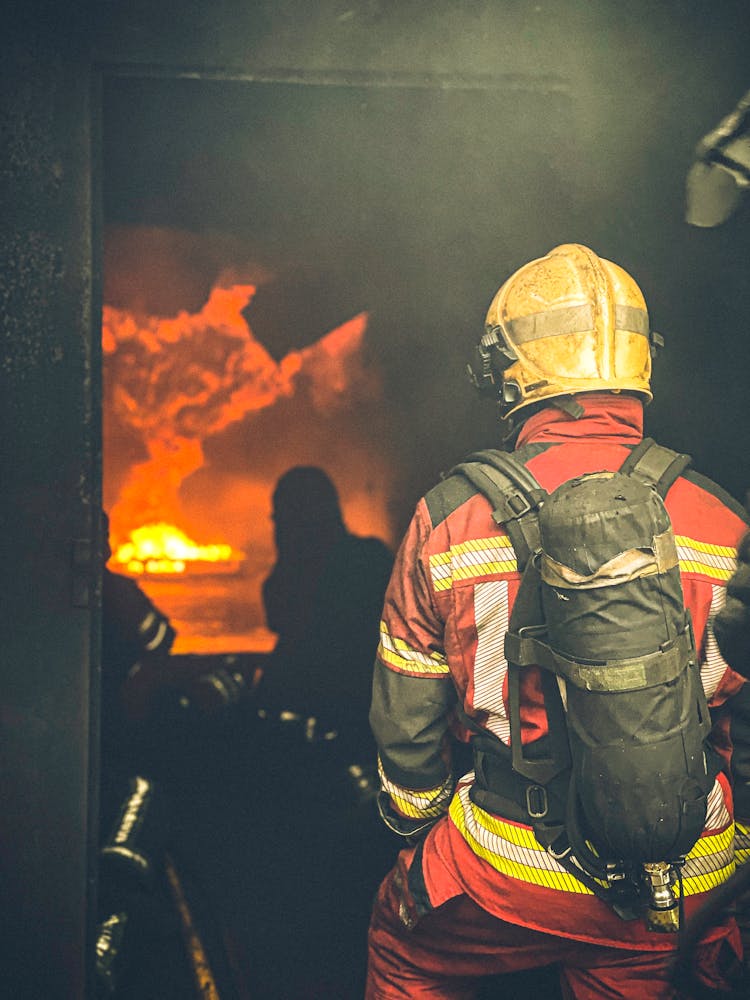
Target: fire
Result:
[200, 420]
[164, 549]
[176, 382]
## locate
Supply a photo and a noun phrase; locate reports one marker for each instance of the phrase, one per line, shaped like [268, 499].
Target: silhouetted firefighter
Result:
[153, 920]
[136, 640]
[323, 598]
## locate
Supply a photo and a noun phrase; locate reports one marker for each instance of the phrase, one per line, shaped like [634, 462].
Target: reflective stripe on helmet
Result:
[573, 319]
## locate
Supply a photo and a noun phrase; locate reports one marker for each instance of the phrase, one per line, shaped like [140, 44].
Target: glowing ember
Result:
[164, 549]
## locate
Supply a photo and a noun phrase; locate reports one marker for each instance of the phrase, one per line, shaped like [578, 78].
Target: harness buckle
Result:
[537, 804]
[518, 504]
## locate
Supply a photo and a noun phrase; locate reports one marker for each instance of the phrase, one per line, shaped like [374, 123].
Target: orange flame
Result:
[174, 386]
[164, 549]
[177, 381]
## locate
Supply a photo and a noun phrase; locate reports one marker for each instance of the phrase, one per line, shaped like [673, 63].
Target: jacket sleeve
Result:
[413, 692]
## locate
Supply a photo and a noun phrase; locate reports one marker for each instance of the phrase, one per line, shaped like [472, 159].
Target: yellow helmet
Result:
[565, 323]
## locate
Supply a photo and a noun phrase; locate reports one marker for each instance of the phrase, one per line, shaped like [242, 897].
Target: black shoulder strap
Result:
[514, 494]
[654, 465]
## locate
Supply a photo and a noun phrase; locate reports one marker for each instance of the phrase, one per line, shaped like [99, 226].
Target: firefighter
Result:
[732, 627]
[322, 598]
[136, 641]
[567, 354]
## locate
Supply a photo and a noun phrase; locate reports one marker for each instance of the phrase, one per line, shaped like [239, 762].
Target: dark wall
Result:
[50, 479]
[562, 120]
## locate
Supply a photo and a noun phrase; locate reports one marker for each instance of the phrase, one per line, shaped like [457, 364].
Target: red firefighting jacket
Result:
[441, 651]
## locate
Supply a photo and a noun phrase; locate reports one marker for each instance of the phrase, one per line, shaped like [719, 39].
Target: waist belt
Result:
[499, 789]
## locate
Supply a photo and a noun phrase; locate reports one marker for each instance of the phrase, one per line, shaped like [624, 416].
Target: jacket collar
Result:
[607, 418]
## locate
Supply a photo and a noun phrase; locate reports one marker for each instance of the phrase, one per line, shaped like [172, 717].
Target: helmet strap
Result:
[569, 405]
[510, 428]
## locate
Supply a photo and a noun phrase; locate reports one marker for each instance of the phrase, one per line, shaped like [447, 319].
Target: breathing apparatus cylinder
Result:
[663, 909]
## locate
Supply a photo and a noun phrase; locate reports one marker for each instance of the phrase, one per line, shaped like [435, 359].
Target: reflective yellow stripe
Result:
[741, 843]
[521, 836]
[411, 811]
[715, 561]
[715, 572]
[421, 804]
[726, 551]
[704, 883]
[514, 850]
[473, 559]
[403, 658]
[480, 544]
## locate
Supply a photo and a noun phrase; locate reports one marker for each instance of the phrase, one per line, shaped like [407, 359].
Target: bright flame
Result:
[187, 387]
[163, 548]
[176, 382]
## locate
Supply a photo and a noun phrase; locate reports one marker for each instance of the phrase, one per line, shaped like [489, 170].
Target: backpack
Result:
[617, 791]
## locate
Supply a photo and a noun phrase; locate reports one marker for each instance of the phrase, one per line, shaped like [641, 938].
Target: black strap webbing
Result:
[543, 770]
[514, 494]
[654, 465]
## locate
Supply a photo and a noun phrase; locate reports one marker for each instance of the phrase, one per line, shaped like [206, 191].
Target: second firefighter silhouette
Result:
[136, 641]
[323, 598]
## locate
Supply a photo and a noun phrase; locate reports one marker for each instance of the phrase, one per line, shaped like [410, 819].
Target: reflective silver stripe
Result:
[632, 319]
[717, 814]
[490, 666]
[573, 319]
[417, 803]
[157, 640]
[147, 622]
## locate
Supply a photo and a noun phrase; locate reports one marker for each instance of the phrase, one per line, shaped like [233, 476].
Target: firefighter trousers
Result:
[444, 954]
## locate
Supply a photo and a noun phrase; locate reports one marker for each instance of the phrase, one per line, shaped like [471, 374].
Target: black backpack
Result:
[617, 791]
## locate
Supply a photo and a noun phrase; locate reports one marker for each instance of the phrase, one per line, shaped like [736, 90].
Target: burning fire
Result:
[164, 549]
[200, 420]
[176, 382]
